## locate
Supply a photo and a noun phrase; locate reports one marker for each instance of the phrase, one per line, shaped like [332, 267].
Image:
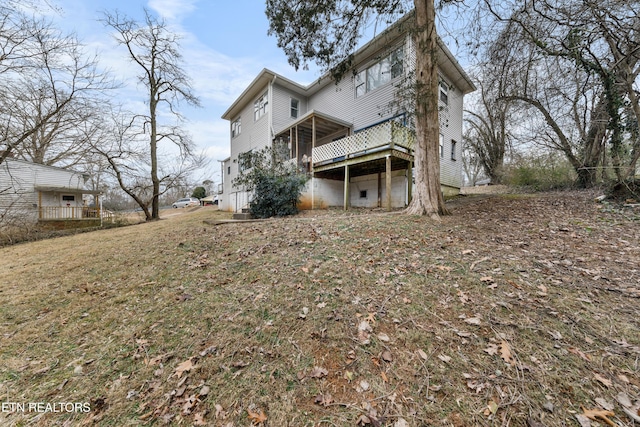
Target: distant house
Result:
[37, 193]
[348, 135]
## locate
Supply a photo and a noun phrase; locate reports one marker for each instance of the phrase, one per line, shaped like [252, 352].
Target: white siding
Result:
[18, 180]
[255, 135]
[282, 106]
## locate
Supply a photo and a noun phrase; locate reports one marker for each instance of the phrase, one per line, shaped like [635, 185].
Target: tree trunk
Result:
[427, 197]
[153, 143]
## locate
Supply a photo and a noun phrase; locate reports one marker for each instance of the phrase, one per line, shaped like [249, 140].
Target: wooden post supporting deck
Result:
[410, 182]
[346, 187]
[388, 182]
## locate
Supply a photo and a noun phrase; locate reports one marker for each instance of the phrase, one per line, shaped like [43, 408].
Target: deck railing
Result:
[49, 213]
[389, 134]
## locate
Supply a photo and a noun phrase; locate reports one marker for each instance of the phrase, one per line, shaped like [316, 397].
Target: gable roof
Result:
[447, 62]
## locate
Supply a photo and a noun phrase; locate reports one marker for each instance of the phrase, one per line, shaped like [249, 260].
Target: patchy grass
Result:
[510, 311]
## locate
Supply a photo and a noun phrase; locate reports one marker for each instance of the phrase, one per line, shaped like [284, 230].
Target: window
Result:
[260, 107]
[444, 92]
[363, 194]
[380, 73]
[294, 108]
[361, 80]
[454, 145]
[236, 127]
[67, 198]
[228, 170]
[441, 146]
[244, 161]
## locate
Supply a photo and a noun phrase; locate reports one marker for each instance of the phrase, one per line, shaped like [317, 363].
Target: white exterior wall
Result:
[339, 100]
[282, 102]
[254, 135]
[330, 192]
[451, 129]
[18, 180]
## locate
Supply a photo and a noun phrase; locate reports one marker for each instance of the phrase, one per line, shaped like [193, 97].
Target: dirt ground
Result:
[516, 310]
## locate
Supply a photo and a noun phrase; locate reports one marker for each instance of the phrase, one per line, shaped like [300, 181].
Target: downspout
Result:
[272, 132]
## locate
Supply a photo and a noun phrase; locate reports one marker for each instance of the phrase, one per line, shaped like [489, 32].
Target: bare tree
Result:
[154, 49]
[127, 153]
[45, 77]
[583, 68]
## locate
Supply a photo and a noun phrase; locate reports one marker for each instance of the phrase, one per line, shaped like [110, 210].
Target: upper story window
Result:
[380, 73]
[236, 127]
[441, 146]
[244, 161]
[444, 92]
[261, 106]
[295, 104]
[454, 148]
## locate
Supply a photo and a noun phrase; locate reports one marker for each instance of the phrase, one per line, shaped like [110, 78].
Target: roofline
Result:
[267, 75]
[44, 166]
[314, 113]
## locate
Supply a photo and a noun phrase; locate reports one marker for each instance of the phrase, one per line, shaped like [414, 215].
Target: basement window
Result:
[363, 194]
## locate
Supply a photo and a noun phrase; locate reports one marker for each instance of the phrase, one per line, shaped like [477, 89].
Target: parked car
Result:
[185, 202]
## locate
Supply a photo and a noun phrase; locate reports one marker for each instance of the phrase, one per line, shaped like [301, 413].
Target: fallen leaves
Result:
[604, 381]
[629, 408]
[503, 350]
[580, 353]
[256, 418]
[183, 367]
[598, 415]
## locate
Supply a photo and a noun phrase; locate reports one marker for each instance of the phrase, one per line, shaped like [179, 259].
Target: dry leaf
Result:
[220, 413]
[492, 407]
[198, 419]
[473, 320]
[491, 350]
[444, 358]
[633, 411]
[323, 399]
[506, 354]
[606, 382]
[423, 355]
[384, 377]
[318, 372]
[257, 417]
[578, 352]
[609, 406]
[383, 337]
[185, 366]
[387, 356]
[189, 403]
[598, 415]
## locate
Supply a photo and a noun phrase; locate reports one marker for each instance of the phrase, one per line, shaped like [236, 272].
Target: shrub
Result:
[199, 193]
[276, 183]
[540, 172]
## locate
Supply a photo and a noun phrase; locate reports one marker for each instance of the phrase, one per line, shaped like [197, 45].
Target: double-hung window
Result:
[295, 106]
[380, 73]
[236, 127]
[261, 106]
[444, 92]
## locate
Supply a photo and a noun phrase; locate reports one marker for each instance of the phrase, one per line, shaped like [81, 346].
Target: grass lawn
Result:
[517, 310]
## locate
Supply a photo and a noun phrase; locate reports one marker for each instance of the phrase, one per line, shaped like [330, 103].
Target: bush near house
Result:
[276, 185]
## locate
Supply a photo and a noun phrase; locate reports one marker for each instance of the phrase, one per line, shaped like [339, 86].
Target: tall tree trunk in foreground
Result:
[427, 197]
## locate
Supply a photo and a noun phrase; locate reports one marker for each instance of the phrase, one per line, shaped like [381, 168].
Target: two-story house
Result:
[352, 136]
